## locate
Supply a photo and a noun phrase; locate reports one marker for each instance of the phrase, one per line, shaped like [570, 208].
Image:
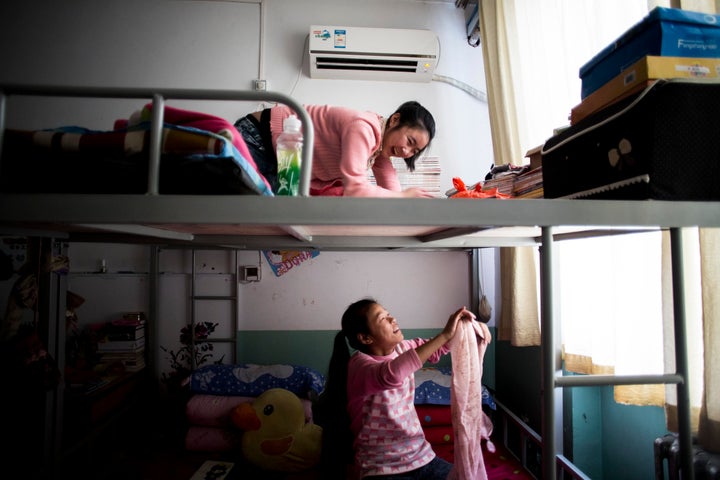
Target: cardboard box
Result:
[663, 32]
[639, 75]
[535, 157]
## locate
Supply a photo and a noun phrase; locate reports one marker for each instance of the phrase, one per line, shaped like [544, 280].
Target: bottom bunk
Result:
[217, 392]
[192, 435]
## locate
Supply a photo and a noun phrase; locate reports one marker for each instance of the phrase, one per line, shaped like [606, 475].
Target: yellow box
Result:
[639, 75]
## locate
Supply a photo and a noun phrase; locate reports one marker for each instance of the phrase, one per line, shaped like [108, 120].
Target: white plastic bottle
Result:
[289, 155]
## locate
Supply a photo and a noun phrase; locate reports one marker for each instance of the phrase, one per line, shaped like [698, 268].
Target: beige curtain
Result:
[497, 31]
[702, 312]
[519, 319]
[709, 424]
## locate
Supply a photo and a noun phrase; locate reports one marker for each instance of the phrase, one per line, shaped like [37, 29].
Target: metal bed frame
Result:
[364, 224]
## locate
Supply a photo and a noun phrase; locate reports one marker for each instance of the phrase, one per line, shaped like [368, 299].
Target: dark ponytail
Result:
[330, 411]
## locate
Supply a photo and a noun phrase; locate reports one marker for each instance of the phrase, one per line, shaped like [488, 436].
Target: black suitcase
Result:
[663, 143]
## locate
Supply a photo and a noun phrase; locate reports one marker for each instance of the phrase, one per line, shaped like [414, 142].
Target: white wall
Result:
[420, 288]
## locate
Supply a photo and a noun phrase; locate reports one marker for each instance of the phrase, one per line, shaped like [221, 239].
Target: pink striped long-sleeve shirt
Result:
[388, 436]
[344, 141]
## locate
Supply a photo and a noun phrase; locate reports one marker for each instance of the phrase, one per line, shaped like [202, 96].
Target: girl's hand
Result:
[425, 350]
[415, 192]
[451, 325]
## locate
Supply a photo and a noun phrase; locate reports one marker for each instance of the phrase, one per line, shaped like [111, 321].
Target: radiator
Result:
[667, 453]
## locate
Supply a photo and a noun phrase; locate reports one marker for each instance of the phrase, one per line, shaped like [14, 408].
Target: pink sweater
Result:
[344, 141]
[388, 436]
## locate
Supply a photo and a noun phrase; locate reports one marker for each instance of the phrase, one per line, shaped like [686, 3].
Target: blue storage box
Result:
[663, 32]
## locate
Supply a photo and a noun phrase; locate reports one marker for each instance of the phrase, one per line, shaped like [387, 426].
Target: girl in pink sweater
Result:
[370, 425]
[347, 144]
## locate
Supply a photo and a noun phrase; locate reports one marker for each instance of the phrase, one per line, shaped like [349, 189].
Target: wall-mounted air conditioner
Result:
[361, 53]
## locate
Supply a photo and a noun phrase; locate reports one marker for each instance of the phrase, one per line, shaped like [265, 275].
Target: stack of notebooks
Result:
[123, 341]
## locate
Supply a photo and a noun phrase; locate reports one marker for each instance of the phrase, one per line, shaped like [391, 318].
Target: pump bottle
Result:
[289, 154]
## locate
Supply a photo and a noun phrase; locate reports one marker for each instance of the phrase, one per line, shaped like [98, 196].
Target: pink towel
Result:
[470, 424]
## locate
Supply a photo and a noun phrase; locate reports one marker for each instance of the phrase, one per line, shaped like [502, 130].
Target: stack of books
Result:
[123, 341]
[503, 178]
[426, 174]
[529, 184]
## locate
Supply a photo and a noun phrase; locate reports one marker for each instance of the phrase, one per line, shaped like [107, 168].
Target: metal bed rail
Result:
[159, 96]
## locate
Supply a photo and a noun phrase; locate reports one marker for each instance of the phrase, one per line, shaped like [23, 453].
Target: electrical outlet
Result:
[249, 274]
[260, 85]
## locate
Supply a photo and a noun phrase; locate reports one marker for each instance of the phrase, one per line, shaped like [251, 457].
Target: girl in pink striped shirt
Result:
[348, 143]
[368, 399]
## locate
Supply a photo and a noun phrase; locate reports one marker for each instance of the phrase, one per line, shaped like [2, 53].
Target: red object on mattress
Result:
[446, 452]
[436, 423]
[439, 435]
[502, 465]
[434, 415]
[499, 465]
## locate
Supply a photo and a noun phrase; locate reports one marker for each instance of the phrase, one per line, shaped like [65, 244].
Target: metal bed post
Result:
[681, 361]
[3, 101]
[547, 331]
[156, 132]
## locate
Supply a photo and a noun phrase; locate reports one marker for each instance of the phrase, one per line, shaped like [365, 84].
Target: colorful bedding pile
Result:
[200, 154]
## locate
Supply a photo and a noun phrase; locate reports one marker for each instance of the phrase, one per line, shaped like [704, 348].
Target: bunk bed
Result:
[256, 222]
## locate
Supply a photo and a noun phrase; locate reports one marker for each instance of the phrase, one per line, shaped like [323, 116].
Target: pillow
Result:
[251, 380]
[432, 386]
[215, 410]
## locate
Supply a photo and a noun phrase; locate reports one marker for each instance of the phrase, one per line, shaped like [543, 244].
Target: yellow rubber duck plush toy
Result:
[276, 435]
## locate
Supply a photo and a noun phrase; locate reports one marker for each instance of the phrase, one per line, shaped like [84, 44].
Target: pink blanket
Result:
[470, 424]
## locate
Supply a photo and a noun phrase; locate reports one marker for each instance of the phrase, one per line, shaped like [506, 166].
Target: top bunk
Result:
[246, 219]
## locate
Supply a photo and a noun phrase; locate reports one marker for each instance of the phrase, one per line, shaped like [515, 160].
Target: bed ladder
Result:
[232, 298]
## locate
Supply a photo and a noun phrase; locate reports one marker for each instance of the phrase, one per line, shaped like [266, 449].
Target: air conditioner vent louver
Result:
[367, 64]
[372, 53]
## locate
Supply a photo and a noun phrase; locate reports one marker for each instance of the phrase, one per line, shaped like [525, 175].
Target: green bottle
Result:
[289, 155]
